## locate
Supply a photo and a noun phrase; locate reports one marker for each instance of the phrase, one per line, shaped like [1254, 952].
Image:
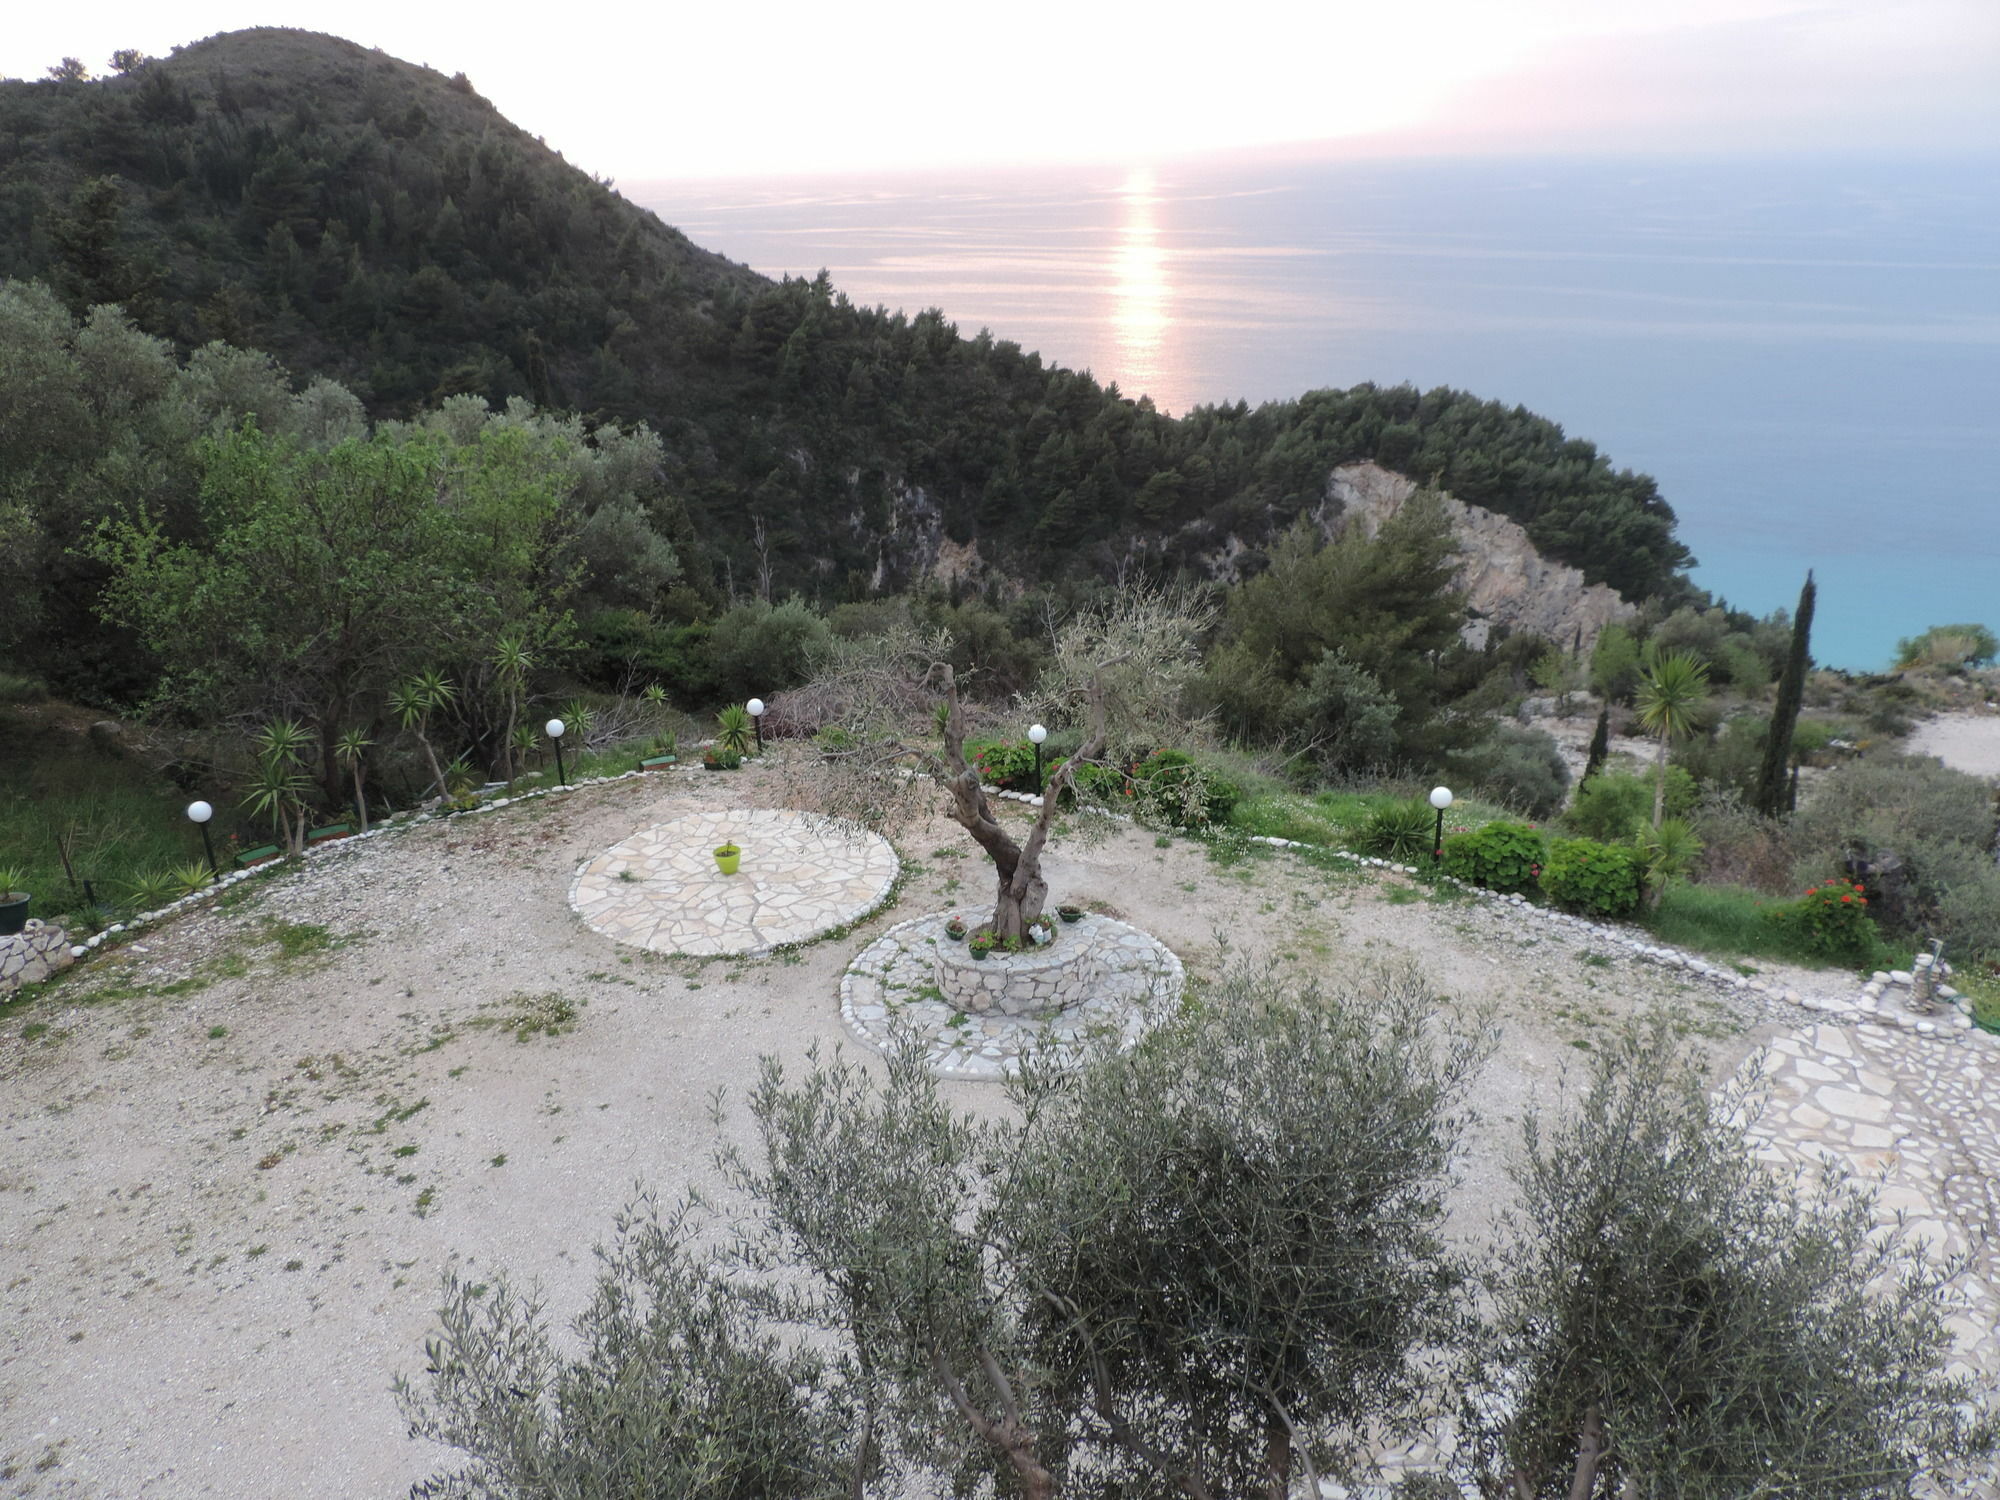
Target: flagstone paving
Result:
[890, 994]
[1914, 1116]
[801, 875]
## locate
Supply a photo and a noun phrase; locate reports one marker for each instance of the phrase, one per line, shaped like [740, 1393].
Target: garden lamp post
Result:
[755, 708]
[555, 729]
[1036, 734]
[199, 813]
[1440, 799]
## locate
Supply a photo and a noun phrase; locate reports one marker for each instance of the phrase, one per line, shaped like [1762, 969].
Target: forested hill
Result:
[380, 224]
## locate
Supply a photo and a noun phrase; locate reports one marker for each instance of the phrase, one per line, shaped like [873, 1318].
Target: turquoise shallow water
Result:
[1805, 354]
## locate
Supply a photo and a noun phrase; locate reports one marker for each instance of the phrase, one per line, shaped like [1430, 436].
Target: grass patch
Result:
[1983, 990]
[295, 940]
[1723, 921]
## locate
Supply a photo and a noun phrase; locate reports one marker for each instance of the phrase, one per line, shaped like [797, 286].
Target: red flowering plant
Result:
[1830, 921]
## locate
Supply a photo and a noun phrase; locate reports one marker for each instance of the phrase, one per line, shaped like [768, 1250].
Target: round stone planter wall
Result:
[1035, 982]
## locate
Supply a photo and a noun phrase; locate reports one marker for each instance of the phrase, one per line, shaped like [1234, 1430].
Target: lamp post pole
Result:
[199, 813]
[555, 729]
[1440, 799]
[1036, 734]
[755, 708]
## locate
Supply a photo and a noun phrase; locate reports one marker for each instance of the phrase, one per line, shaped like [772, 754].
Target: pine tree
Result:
[1771, 795]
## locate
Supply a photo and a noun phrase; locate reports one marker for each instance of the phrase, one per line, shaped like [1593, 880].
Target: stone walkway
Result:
[800, 876]
[1913, 1116]
[890, 992]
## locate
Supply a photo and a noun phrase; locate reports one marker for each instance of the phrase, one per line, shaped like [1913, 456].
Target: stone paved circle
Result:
[801, 875]
[890, 992]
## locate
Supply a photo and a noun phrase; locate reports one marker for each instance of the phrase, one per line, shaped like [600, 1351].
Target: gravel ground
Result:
[243, 1148]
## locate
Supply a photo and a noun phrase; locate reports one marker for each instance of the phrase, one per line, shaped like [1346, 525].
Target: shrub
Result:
[1004, 763]
[1520, 767]
[1586, 876]
[1611, 805]
[18, 689]
[1402, 830]
[1830, 921]
[1175, 788]
[1667, 853]
[1502, 856]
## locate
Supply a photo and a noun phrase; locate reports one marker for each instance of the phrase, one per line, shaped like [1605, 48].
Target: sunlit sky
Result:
[720, 90]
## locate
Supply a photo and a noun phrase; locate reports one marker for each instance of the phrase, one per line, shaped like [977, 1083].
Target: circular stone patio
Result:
[800, 876]
[891, 992]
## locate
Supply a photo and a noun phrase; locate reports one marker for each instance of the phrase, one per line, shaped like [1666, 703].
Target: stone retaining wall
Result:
[1035, 982]
[32, 955]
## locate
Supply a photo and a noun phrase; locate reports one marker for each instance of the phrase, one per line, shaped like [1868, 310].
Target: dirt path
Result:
[241, 1150]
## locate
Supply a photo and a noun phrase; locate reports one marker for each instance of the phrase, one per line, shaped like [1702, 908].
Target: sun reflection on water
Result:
[1141, 292]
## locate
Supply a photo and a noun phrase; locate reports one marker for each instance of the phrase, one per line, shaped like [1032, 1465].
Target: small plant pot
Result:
[979, 950]
[13, 912]
[728, 858]
[329, 833]
[659, 762]
[955, 930]
[263, 854]
[1070, 913]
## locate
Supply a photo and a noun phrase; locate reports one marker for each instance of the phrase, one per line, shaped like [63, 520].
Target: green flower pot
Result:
[727, 858]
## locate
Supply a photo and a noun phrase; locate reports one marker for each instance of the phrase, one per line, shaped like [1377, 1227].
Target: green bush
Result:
[1830, 921]
[1402, 830]
[1175, 788]
[1584, 875]
[1004, 763]
[18, 689]
[1519, 767]
[1611, 805]
[1503, 856]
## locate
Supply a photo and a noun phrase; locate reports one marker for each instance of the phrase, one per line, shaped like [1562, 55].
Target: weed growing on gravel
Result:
[529, 1016]
[217, 1033]
[295, 940]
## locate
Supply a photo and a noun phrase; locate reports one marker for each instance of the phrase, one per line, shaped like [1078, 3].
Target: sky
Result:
[650, 91]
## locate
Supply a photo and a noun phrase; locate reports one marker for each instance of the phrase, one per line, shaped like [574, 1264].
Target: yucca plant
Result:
[279, 792]
[733, 730]
[511, 665]
[1666, 853]
[351, 749]
[191, 877]
[522, 743]
[413, 703]
[1673, 696]
[1400, 831]
[581, 720]
[152, 888]
[13, 882]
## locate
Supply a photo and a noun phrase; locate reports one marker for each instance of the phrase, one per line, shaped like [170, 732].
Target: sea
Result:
[1805, 353]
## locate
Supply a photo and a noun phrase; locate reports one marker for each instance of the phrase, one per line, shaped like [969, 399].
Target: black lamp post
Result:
[1036, 734]
[199, 813]
[755, 708]
[1440, 799]
[555, 729]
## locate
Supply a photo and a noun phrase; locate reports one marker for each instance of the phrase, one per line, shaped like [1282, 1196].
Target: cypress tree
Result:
[1600, 746]
[1772, 794]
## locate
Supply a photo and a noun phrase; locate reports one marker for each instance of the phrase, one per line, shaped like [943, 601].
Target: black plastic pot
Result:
[13, 912]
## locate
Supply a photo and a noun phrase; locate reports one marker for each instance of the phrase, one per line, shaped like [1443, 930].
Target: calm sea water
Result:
[1806, 356]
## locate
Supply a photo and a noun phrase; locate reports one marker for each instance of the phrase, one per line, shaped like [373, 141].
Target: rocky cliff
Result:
[1507, 582]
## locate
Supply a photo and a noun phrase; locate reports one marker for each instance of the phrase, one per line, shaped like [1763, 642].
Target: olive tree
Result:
[1117, 674]
[1673, 1318]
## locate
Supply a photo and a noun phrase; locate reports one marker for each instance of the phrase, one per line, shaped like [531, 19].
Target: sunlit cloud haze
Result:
[652, 91]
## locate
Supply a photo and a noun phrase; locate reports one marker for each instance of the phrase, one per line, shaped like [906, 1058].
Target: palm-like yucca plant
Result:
[1669, 852]
[279, 792]
[1673, 694]
[413, 702]
[192, 877]
[511, 665]
[521, 744]
[733, 730]
[152, 888]
[351, 750]
[580, 721]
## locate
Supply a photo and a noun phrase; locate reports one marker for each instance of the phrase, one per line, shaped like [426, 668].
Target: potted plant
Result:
[955, 930]
[980, 945]
[14, 900]
[721, 758]
[1042, 932]
[665, 752]
[727, 857]
[1070, 913]
[733, 730]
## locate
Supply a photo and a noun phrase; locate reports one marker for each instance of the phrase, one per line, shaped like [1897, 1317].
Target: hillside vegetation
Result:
[380, 225]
